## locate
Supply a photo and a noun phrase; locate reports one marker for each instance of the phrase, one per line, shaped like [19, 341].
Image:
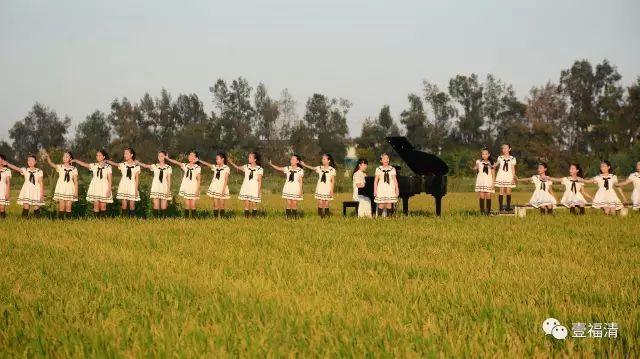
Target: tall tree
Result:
[443, 110]
[41, 128]
[467, 91]
[92, 134]
[195, 130]
[374, 131]
[235, 113]
[414, 120]
[131, 128]
[327, 122]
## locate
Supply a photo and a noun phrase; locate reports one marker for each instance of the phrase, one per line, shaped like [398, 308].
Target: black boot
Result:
[221, 213]
[542, 210]
[326, 212]
[254, 213]
[36, 213]
[25, 213]
[320, 212]
[572, 210]
[500, 201]
[186, 213]
[216, 213]
[192, 213]
[3, 215]
[582, 211]
[60, 214]
[481, 203]
[294, 213]
[549, 210]
[287, 213]
[68, 215]
[132, 213]
[488, 206]
[156, 213]
[509, 202]
[246, 213]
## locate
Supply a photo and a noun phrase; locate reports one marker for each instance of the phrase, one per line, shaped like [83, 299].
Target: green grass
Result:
[461, 285]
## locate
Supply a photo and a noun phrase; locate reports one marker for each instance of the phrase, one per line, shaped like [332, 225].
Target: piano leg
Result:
[438, 205]
[405, 205]
[374, 208]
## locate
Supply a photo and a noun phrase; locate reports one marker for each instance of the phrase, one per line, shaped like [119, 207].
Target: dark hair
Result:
[360, 161]
[163, 152]
[223, 156]
[578, 168]
[606, 162]
[69, 153]
[3, 157]
[256, 155]
[490, 159]
[131, 151]
[104, 153]
[546, 167]
[332, 163]
[31, 155]
[298, 157]
[382, 155]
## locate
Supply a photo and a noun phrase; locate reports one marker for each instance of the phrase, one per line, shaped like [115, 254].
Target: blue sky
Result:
[77, 56]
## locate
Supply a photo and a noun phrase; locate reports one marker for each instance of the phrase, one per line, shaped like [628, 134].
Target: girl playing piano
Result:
[484, 180]
[385, 187]
[359, 175]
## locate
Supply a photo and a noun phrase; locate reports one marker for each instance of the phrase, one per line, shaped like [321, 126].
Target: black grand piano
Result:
[430, 175]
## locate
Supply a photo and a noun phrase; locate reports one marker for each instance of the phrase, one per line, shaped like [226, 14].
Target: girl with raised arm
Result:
[633, 178]
[292, 189]
[251, 189]
[574, 193]
[505, 176]
[99, 192]
[128, 188]
[359, 178]
[542, 197]
[32, 193]
[385, 187]
[219, 188]
[190, 186]
[160, 185]
[66, 191]
[606, 197]
[5, 186]
[485, 180]
[326, 183]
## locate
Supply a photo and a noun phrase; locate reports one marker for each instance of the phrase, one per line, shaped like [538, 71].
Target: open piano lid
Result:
[421, 163]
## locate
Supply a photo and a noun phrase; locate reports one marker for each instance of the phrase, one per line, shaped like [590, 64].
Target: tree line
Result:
[585, 116]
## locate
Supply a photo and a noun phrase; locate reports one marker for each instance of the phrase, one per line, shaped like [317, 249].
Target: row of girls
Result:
[501, 175]
[32, 194]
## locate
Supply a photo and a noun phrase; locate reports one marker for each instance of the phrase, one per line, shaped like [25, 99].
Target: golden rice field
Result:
[457, 286]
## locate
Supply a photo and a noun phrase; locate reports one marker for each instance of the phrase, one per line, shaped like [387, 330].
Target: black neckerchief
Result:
[291, 174]
[251, 172]
[386, 175]
[189, 173]
[505, 163]
[574, 188]
[32, 177]
[606, 182]
[99, 172]
[67, 175]
[324, 175]
[161, 175]
[485, 167]
[543, 184]
[218, 170]
[129, 173]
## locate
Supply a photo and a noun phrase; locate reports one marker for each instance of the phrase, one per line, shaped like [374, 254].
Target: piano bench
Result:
[349, 204]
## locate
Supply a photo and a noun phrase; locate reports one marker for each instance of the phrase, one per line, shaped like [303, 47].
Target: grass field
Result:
[460, 285]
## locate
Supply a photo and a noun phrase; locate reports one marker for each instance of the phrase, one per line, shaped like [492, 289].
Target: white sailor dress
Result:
[65, 187]
[249, 191]
[542, 194]
[364, 203]
[635, 195]
[386, 190]
[161, 180]
[505, 175]
[606, 195]
[5, 174]
[189, 188]
[219, 187]
[484, 179]
[99, 185]
[128, 188]
[323, 188]
[31, 192]
[572, 196]
[292, 189]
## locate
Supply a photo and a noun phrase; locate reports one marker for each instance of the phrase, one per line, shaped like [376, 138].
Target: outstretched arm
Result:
[81, 163]
[114, 164]
[277, 168]
[307, 166]
[584, 180]
[174, 161]
[526, 179]
[10, 166]
[623, 183]
[206, 163]
[624, 198]
[586, 194]
[144, 165]
[46, 157]
[234, 165]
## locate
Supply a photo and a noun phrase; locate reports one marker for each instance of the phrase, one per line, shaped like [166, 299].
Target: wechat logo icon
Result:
[552, 326]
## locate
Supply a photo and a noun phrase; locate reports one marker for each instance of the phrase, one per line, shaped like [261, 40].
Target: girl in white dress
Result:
[292, 189]
[326, 183]
[160, 193]
[385, 187]
[542, 197]
[99, 192]
[634, 179]
[251, 185]
[32, 193]
[574, 196]
[66, 191]
[484, 180]
[5, 186]
[359, 178]
[219, 188]
[606, 197]
[190, 186]
[128, 188]
[505, 176]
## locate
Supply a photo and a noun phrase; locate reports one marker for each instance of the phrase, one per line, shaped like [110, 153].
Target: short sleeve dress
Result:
[323, 187]
[386, 191]
[505, 176]
[250, 191]
[99, 185]
[31, 193]
[189, 188]
[128, 188]
[65, 186]
[5, 175]
[484, 179]
[542, 194]
[160, 185]
[292, 187]
[606, 195]
[635, 195]
[572, 196]
[364, 203]
[219, 187]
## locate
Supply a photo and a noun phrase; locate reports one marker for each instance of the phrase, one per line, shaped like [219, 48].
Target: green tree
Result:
[374, 131]
[92, 134]
[40, 129]
[235, 114]
[443, 110]
[467, 91]
[327, 122]
[414, 120]
[195, 130]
